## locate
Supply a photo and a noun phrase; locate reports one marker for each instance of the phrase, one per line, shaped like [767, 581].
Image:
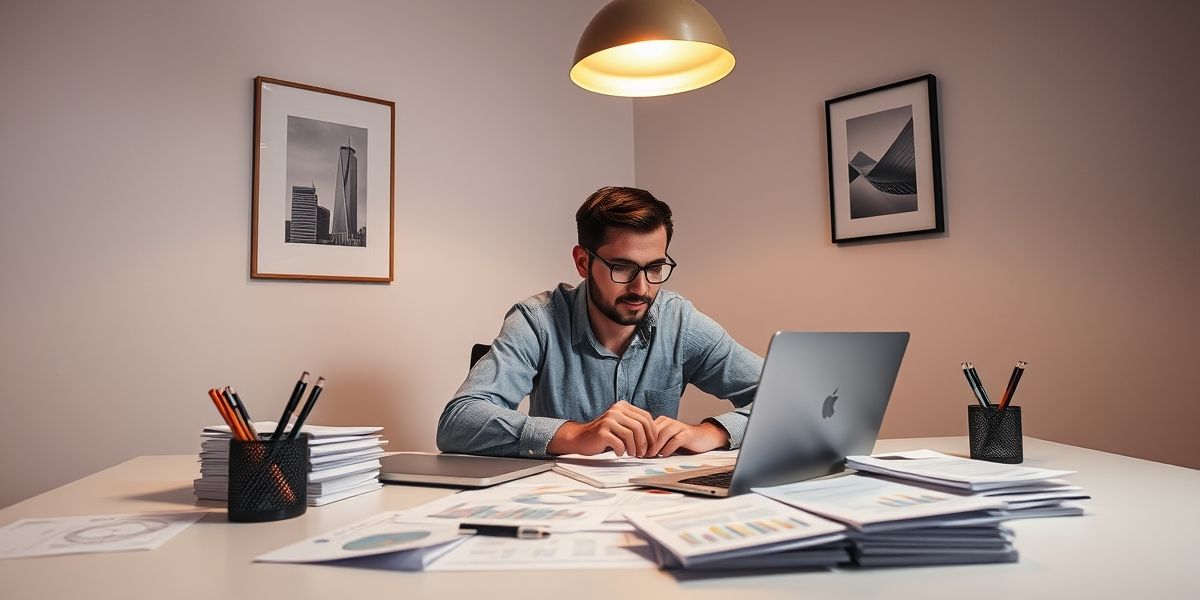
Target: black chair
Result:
[477, 352]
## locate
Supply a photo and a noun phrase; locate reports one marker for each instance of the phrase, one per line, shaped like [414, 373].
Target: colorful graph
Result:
[383, 540]
[651, 471]
[555, 495]
[732, 531]
[500, 512]
[903, 500]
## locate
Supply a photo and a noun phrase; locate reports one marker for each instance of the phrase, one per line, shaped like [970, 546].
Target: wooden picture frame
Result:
[324, 170]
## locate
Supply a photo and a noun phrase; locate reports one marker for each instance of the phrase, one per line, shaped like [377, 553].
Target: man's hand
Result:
[674, 436]
[624, 427]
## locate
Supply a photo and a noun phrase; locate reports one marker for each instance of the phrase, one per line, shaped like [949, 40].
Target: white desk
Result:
[1139, 540]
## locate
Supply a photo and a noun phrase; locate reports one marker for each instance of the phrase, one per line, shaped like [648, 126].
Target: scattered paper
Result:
[97, 533]
[865, 502]
[384, 533]
[558, 551]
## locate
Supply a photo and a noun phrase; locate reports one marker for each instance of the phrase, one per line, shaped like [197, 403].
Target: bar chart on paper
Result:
[506, 512]
[711, 534]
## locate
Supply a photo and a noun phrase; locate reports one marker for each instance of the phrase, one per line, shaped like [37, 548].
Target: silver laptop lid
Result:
[821, 397]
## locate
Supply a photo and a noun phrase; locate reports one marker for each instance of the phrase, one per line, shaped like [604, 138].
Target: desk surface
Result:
[1137, 540]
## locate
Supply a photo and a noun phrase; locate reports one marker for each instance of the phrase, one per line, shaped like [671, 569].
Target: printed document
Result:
[732, 527]
[608, 470]
[590, 550]
[952, 471]
[871, 503]
[555, 502]
[411, 545]
[99, 533]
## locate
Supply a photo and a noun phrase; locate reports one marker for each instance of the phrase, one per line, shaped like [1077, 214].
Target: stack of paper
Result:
[343, 461]
[744, 532]
[1025, 491]
[898, 524]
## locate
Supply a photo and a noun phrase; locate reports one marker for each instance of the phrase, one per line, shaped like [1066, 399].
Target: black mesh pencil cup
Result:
[995, 435]
[267, 481]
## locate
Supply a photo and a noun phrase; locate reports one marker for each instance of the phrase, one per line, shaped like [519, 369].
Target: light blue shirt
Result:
[546, 350]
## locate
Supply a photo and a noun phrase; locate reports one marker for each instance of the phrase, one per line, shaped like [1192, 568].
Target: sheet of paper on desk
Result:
[613, 471]
[951, 471]
[610, 456]
[872, 503]
[97, 533]
[591, 550]
[744, 525]
[567, 506]
[382, 534]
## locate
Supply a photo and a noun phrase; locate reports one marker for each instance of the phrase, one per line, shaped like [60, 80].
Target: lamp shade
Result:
[641, 48]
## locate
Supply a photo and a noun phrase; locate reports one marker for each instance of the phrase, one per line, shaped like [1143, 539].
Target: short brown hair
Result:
[622, 208]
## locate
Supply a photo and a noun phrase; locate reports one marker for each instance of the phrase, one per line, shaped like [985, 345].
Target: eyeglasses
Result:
[626, 272]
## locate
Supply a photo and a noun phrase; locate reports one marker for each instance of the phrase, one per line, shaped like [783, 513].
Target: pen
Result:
[291, 406]
[308, 406]
[983, 395]
[240, 407]
[971, 382]
[522, 532]
[1012, 383]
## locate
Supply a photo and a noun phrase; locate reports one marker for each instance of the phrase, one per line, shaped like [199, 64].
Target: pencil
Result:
[223, 408]
[971, 383]
[308, 406]
[1012, 383]
[291, 406]
[979, 384]
[240, 406]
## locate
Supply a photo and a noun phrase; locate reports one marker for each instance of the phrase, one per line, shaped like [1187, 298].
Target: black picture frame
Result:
[885, 162]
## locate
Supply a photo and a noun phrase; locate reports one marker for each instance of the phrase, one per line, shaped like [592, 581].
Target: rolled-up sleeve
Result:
[482, 418]
[720, 366]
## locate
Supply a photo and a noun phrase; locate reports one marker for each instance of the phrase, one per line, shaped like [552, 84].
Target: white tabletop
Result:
[1137, 540]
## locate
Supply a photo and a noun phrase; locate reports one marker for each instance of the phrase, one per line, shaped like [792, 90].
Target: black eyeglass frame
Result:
[640, 269]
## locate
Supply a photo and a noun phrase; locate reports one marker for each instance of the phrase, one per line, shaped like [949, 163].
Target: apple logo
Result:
[827, 408]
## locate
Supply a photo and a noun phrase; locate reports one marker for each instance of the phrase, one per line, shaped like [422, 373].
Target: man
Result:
[604, 363]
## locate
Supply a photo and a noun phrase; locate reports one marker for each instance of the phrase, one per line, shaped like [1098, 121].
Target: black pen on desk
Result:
[983, 395]
[1012, 384]
[240, 407]
[308, 406]
[521, 532]
[291, 406]
[971, 384]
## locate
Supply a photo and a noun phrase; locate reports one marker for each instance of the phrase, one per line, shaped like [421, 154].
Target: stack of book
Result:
[342, 461]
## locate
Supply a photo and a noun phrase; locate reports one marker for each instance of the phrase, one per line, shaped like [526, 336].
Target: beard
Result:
[612, 311]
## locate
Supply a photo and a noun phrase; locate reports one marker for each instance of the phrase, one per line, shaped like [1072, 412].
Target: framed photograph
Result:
[324, 190]
[885, 164]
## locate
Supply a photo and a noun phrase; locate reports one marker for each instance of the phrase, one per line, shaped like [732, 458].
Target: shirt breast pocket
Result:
[664, 402]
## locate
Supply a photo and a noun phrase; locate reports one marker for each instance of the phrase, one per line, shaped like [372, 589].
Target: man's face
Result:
[623, 303]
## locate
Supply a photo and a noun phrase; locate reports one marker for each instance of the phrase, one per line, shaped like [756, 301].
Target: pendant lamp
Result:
[639, 48]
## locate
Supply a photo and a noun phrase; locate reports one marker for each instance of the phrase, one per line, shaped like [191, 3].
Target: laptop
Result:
[821, 398]
[458, 470]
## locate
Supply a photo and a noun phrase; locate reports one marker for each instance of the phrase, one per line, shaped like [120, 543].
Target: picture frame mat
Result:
[916, 94]
[274, 257]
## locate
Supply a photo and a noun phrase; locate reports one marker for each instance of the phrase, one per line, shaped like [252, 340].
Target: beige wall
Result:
[1069, 134]
[125, 180]
[125, 184]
